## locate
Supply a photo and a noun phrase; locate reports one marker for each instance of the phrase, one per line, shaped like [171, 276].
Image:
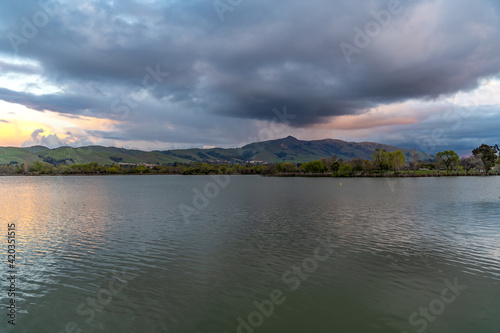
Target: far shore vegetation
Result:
[485, 160]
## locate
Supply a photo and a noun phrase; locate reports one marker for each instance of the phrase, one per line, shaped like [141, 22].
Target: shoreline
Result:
[279, 175]
[386, 175]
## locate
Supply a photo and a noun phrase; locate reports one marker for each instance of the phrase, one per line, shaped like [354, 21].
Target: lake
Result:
[251, 254]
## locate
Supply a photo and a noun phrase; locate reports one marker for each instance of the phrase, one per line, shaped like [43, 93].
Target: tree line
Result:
[42, 168]
[483, 160]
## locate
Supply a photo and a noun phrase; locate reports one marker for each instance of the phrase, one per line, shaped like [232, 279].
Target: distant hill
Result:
[291, 149]
[288, 149]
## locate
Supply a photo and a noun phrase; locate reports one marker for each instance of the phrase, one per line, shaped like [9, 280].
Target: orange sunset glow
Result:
[17, 123]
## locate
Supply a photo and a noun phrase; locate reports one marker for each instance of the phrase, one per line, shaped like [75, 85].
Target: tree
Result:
[313, 167]
[396, 160]
[381, 159]
[327, 162]
[414, 160]
[269, 170]
[487, 154]
[113, 170]
[367, 165]
[286, 167]
[470, 163]
[335, 166]
[26, 167]
[345, 170]
[448, 159]
[332, 164]
[357, 164]
[222, 170]
[42, 168]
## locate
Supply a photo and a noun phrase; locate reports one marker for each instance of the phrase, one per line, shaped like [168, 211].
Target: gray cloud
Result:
[37, 132]
[14, 68]
[457, 129]
[51, 140]
[263, 55]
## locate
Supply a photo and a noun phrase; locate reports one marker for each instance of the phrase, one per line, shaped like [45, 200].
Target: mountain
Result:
[288, 149]
[294, 150]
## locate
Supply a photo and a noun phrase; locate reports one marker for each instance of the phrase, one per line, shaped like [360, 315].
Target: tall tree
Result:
[487, 154]
[470, 163]
[286, 167]
[414, 160]
[330, 163]
[449, 159]
[397, 160]
[357, 164]
[380, 158]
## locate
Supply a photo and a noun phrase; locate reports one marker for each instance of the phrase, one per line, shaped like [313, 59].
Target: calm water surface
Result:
[116, 254]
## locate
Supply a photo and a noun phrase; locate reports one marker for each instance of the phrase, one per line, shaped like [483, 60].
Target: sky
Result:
[179, 74]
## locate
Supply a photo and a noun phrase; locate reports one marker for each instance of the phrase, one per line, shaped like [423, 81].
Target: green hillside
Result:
[11, 155]
[37, 149]
[287, 149]
[291, 149]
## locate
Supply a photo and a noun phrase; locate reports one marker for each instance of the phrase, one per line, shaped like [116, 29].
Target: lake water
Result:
[252, 254]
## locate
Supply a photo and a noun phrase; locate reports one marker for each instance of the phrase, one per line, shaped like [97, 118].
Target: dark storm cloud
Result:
[262, 55]
[75, 104]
